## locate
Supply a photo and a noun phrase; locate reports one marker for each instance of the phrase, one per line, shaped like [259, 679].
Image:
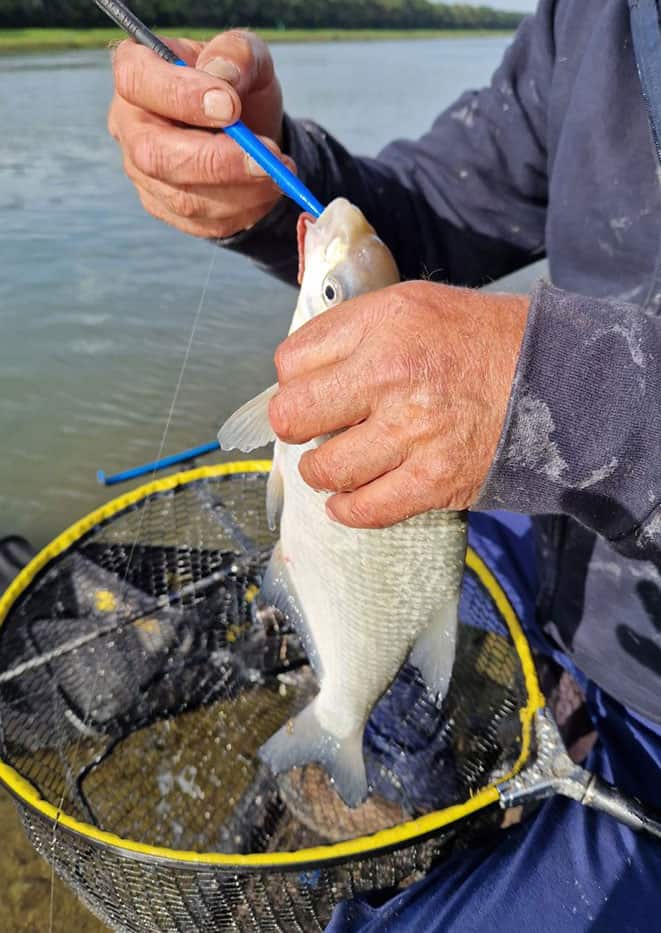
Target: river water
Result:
[97, 298]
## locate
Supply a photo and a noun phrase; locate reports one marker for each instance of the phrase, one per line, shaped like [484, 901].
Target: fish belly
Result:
[367, 596]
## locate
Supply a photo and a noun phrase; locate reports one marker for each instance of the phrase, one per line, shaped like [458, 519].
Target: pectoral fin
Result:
[249, 427]
[433, 653]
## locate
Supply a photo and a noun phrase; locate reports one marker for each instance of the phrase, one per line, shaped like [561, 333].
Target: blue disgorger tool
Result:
[288, 183]
[157, 465]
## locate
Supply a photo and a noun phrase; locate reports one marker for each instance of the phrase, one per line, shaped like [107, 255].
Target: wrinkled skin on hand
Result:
[162, 115]
[419, 375]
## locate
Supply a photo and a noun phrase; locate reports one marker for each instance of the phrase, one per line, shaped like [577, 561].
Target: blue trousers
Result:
[567, 868]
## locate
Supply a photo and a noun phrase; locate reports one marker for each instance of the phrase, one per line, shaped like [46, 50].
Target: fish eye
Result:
[332, 291]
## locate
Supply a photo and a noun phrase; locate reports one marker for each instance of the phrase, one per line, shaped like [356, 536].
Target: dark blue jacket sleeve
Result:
[582, 436]
[466, 203]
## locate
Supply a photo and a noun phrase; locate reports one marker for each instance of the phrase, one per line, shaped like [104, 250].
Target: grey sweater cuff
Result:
[582, 435]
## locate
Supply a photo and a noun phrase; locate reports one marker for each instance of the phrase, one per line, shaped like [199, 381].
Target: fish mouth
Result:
[341, 223]
[343, 242]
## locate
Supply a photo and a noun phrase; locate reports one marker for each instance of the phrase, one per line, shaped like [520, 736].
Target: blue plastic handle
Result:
[157, 465]
[288, 183]
[284, 179]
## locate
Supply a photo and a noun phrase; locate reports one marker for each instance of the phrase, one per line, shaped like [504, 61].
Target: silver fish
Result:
[363, 601]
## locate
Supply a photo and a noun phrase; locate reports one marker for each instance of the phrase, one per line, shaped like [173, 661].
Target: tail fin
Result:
[303, 740]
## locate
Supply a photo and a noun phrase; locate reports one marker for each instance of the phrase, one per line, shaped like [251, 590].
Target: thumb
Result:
[241, 58]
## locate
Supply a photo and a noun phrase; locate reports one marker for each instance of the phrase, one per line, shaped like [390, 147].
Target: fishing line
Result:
[189, 346]
[123, 585]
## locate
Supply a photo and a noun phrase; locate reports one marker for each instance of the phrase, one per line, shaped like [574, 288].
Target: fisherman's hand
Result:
[199, 181]
[420, 376]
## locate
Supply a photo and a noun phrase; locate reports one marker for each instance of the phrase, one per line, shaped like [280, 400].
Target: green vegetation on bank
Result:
[264, 14]
[43, 40]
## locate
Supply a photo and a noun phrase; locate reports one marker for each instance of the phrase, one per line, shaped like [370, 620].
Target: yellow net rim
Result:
[394, 837]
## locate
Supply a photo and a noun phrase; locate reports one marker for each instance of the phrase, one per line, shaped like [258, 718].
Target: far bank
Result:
[44, 40]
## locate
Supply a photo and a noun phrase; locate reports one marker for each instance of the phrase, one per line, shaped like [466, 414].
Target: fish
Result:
[363, 601]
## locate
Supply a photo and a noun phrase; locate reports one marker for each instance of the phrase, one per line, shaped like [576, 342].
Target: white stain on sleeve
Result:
[631, 333]
[597, 476]
[531, 444]
[650, 533]
[619, 226]
[465, 115]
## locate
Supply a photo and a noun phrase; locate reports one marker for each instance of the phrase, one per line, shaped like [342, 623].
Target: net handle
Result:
[628, 810]
[554, 772]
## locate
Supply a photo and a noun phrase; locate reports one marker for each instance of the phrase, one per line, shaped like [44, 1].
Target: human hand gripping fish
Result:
[363, 600]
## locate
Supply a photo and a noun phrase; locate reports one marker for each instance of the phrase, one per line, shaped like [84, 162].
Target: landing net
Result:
[138, 682]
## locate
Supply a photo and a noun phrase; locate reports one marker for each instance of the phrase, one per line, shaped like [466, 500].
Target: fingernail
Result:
[218, 105]
[254, 169]
[222, 68]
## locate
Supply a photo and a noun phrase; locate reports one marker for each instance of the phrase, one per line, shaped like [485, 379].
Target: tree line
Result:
[265, 14]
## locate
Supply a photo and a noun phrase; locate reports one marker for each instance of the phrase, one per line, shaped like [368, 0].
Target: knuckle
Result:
[309, 398]
[386, 447]
[146, 155]
[148, 204]
[224, 229]
[130, 170]
[125, 74]
[338, 470]
[314, 471]
[244, 47]
[281, 358]
[361, 514]
[178, 101]
[242, 39]
[113, 121]
[402, 366]
[235, 46]
[210, 164]
[279, 415]
[183, 204]
[122, 49]
[422, 474]
[249, 53]
[335, 385]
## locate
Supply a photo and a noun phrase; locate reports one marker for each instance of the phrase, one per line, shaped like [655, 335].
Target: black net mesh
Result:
[138, 682]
